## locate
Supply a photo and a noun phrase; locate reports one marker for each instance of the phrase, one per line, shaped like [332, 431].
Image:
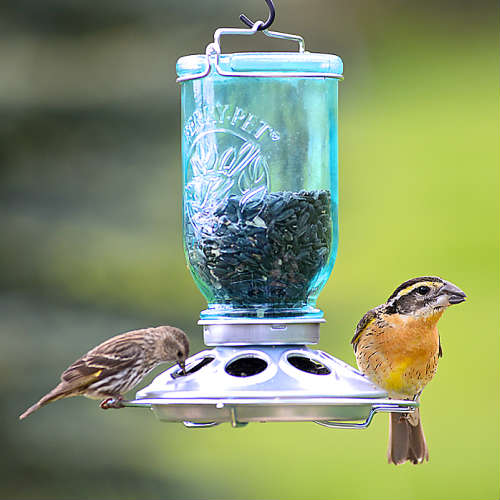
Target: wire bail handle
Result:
[214, 48]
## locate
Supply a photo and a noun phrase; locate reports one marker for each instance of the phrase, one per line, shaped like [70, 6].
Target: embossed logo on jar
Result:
[234, 117]
[225, 158]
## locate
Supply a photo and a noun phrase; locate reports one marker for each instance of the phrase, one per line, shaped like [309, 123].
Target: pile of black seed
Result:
[263, 252]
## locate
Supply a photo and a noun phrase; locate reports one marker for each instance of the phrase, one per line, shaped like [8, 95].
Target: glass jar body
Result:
[260, 192]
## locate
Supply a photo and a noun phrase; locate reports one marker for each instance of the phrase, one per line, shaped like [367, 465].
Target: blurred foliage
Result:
[90, 196]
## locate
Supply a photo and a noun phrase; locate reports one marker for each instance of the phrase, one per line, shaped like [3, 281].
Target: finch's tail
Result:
[59, 392]
[406, 439]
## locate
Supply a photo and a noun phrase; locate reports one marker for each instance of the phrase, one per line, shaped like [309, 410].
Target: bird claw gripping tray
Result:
[260, 155]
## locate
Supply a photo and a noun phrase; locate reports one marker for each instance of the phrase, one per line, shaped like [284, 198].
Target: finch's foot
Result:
[112, 403]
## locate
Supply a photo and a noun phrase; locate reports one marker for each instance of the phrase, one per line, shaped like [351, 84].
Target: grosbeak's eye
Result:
[179, 354]
[423, 290]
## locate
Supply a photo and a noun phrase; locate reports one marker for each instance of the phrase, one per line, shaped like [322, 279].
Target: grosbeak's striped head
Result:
[424, 296]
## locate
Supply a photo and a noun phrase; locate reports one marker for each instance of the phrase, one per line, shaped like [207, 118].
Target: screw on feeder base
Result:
[234, 421]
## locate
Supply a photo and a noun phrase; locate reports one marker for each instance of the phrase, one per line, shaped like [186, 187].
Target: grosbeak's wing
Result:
[364, 322]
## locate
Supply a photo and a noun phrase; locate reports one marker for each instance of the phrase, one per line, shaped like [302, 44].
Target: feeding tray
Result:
[266, 384]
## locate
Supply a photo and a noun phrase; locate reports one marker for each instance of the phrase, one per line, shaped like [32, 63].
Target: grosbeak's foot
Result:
[112, 403]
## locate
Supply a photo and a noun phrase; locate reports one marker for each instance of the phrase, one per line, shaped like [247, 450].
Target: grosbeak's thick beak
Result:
[452, 293]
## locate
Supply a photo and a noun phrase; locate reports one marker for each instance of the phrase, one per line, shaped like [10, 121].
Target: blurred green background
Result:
[90, 189]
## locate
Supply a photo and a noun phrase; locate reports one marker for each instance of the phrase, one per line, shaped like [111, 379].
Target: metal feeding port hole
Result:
[308, 365]
[194, 368]
[246, 366]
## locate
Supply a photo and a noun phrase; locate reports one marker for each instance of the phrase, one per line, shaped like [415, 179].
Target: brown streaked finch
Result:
[117, 365]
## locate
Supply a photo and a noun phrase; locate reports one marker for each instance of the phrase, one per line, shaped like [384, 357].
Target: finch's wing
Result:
[368, 318]
[103, 361]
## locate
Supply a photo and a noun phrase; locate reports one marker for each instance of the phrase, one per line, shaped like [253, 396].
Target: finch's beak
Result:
[452, 293]
[182, 364]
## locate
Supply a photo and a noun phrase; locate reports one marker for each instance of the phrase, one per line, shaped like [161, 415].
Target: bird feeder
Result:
[260, 154]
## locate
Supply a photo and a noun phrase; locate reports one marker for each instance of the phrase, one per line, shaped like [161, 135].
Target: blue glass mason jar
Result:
[260, 154]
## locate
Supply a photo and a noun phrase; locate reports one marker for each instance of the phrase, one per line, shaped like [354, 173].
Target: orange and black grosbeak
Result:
[397, 346]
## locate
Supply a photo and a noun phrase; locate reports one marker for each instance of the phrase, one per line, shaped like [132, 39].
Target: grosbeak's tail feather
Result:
[59, 392]
[406, 439]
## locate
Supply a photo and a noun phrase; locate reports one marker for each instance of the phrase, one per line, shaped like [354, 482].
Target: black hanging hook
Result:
[269, 21]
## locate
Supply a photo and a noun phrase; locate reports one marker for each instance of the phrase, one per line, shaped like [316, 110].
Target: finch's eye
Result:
[423, 290]
[179, 354]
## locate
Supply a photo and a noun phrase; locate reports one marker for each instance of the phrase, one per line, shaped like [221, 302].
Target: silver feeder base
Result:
[279, 383]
